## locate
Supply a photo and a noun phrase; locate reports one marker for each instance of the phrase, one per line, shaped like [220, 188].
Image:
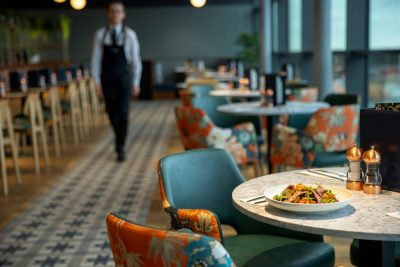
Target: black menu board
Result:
[381, 128]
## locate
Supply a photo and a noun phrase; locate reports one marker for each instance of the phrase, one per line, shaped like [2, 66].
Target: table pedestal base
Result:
[376, 253]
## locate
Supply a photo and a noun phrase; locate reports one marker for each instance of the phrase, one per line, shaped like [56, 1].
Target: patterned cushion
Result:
[329, 130]
[198, 131]
[335, 128]
[309, 94]
[134, 245]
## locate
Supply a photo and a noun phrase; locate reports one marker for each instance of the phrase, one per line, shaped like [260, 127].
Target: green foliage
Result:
[65, 24]
[250, 45]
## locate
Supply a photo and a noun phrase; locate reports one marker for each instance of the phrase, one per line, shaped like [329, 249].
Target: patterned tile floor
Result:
[66, 225]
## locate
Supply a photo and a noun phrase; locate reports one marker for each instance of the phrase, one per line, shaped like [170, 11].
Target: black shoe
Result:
[121, 157]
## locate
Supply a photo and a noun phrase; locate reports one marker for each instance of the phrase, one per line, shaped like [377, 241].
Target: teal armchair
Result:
[196, 189]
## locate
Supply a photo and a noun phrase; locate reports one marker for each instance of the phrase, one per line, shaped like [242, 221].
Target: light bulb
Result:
[198, 3]
[78, 4]
[60, 1]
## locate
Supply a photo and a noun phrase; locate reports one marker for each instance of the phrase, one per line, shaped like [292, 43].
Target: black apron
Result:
[116, 81]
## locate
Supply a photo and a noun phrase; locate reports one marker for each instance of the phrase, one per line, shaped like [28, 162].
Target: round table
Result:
[365, 218]
[271, 113]
[235, 93]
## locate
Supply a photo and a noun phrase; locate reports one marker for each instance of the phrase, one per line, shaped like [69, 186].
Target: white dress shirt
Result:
[131, 47]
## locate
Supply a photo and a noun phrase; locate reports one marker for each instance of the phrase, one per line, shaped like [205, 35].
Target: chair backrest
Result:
[307, 94]
[186, 98]
[201, 89]
[334, 128]
[194, 126]
[200, 179]
[342, 99]
[210, 105]
[136, 245]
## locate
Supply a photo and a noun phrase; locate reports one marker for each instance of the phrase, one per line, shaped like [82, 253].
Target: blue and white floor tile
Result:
[65, 227]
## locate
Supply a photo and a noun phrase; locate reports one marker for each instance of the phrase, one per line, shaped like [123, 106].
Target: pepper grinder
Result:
[354, 174]
[372, 176]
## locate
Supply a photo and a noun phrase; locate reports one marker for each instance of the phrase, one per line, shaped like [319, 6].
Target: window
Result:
[295, 29]
[384, 25]
[275, 26]
[384, 66]
[338, 24]
[384, 78]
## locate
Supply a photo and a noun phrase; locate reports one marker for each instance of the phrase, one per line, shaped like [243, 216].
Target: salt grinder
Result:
[372, 176]
[354, 174]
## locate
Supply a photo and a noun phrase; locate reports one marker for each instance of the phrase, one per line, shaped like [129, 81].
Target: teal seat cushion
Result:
[325, 159]
[65, 106]
[21, 123]
[354, 257]
[268, 250]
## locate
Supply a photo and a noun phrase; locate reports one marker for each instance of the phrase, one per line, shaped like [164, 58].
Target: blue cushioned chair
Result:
[198, 184]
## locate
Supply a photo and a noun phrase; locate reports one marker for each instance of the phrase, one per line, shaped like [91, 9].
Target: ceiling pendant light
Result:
[78, 4]
[60, 1]
[198, 3]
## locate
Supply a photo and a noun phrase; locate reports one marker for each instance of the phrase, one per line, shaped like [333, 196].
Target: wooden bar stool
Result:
[56, 121]
[85, 107]
[94, 102]
[6, 122]
[75, 117]
[33, 107]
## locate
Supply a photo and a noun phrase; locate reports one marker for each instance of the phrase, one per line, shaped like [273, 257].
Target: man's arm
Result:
[96, 58]
[136, 64]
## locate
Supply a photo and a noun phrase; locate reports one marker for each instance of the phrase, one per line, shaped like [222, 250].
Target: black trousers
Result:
[117, 96]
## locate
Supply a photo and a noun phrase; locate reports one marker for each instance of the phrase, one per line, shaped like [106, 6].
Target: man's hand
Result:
[135, 90]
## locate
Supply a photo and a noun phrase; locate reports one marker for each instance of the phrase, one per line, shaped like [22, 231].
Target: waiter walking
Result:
[116, 66]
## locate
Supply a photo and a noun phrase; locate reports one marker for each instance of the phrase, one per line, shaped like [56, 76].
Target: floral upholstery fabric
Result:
[186, 98]
[198, 220]
[138, 246]
[329, 130]
[308, 94]
[335, 128]
[198, 131]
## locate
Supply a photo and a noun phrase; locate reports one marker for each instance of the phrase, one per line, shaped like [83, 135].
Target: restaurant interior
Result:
[200, 133]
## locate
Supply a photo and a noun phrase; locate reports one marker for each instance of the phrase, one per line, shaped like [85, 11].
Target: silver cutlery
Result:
[326, 175]
[253, 198]
[330, 171]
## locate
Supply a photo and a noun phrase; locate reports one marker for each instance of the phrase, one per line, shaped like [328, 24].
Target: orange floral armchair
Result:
[198, 131]
[332, 129]
[134, 245]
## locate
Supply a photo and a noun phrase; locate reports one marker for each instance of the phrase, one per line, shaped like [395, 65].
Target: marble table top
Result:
[235, 93]
[365, 218]
[255, 109]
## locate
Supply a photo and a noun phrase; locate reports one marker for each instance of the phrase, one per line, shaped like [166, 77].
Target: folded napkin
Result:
[324, 173]
[395, 214]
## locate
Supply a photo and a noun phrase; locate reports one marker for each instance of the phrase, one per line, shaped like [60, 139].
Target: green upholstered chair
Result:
[354, 256]
[342, 99]
[196, 189]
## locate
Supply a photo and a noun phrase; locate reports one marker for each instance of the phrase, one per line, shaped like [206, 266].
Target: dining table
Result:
[271, 113]
[368, 218]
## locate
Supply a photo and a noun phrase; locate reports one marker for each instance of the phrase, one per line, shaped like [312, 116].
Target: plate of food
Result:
[308, 198]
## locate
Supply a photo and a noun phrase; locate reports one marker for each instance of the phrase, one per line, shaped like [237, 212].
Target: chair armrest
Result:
[292, 147]
[198, 220]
